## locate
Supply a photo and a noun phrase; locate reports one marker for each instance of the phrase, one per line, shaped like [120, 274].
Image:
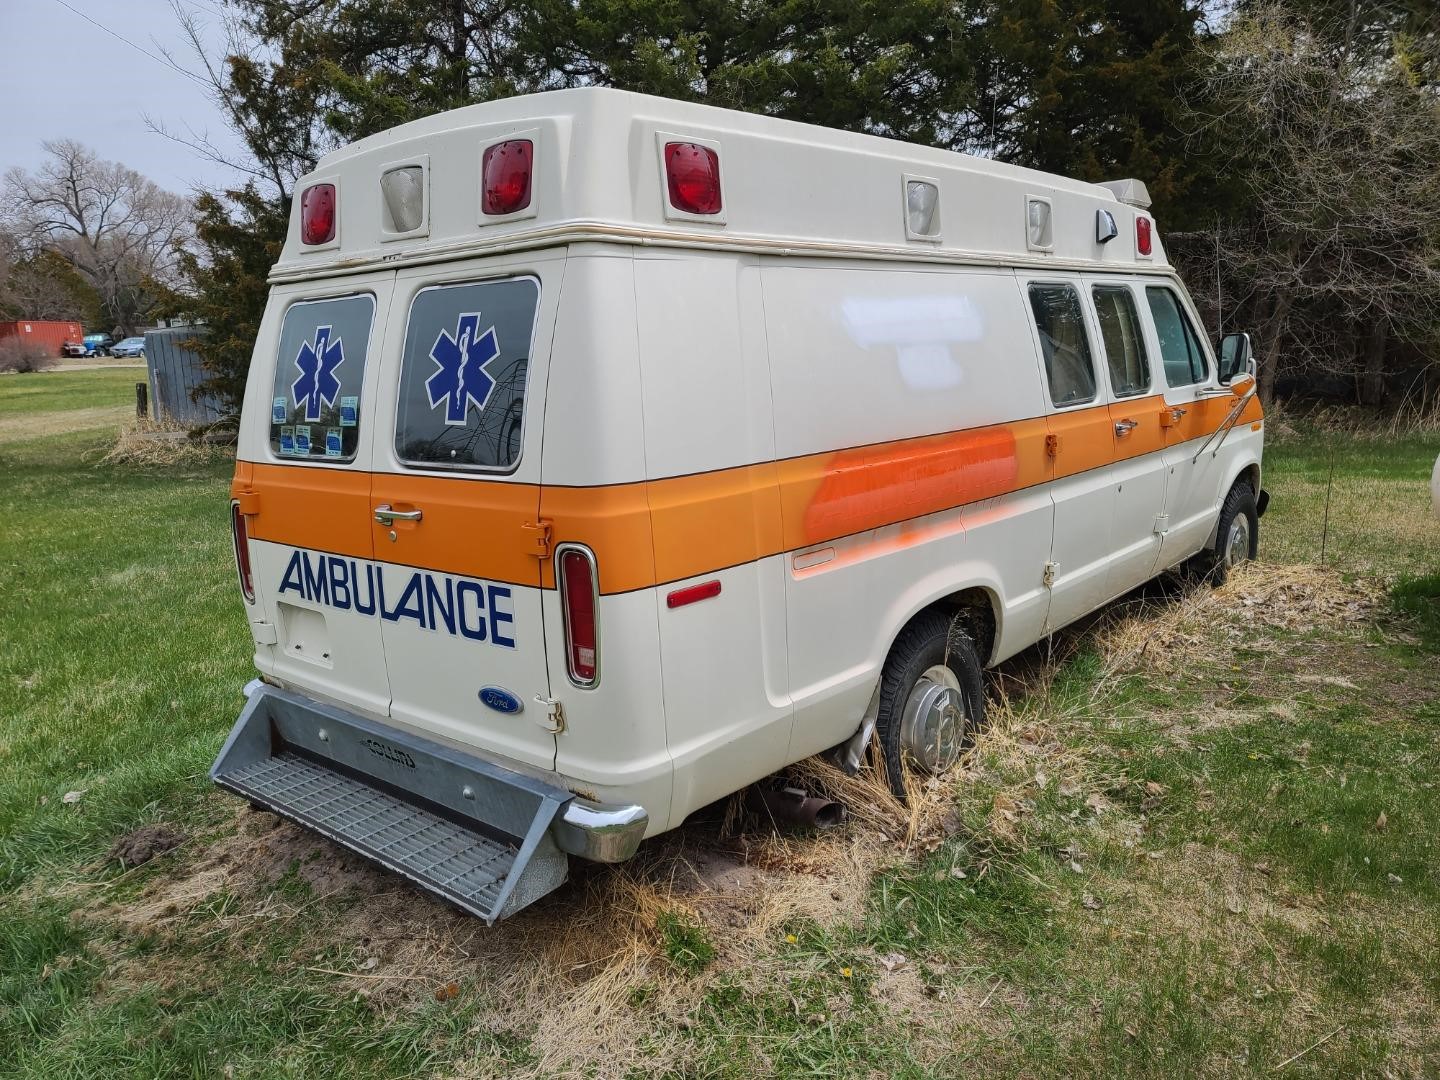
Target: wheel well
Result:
[1251, 475]
[975, 609]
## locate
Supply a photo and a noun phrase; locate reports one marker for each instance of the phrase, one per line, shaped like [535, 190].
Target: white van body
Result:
[828, 413]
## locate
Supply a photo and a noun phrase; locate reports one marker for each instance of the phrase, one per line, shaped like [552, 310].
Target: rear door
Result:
[308, 472]
[455, 499]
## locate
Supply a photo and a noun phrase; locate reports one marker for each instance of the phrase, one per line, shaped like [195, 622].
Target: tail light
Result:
[692, 172]
[242, 552]
[317, 214]
[1144, 242]
[578, 599]
[505, 176]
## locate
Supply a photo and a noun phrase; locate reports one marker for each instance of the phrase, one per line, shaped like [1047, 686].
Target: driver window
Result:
[1182, 355]
[1064, 343]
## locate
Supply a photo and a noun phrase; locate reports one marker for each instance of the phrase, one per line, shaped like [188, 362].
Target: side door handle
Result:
[1124, 427]
[385, 514]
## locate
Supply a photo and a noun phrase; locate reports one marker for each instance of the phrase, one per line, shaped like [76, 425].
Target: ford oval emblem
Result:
[500, 699]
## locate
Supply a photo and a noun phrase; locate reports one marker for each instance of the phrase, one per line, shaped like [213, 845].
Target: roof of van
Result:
[598, 173]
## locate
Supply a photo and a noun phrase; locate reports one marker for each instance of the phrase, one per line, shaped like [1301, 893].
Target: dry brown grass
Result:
[1414, 416]
[161, 443]
[1204, 625]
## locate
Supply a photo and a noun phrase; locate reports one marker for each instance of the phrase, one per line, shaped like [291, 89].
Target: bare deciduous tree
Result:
[1337, 147]
[121, 232]
[42, 287]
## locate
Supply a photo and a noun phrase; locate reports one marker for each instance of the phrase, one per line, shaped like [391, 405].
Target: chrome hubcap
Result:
[1237, 544]
[933, 722]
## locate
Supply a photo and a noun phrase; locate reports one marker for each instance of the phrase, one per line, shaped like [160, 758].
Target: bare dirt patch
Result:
[139, 846]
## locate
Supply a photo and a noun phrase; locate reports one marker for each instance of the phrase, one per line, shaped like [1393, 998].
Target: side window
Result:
[462, 378]
[1124, 344]
[315, 407]
[1180, 348]
[1061, 323]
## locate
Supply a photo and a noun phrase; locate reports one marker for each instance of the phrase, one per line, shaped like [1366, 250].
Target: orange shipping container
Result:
[48, 335]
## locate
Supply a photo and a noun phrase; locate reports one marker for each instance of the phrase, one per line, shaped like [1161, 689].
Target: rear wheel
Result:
[932, 698]
[1237, 534]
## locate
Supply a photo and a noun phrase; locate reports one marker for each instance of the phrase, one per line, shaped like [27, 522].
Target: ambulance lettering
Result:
[470, 609]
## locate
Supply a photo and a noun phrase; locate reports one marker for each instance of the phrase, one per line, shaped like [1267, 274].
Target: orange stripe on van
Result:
[649, 533]
[322, 509]
[473, 527]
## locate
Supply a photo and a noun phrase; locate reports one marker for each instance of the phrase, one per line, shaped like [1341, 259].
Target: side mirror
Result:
[1242, 384]
[1235, 356]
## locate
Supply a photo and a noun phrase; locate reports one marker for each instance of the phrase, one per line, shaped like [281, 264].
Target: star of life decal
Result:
[461, 360]
[317, 384]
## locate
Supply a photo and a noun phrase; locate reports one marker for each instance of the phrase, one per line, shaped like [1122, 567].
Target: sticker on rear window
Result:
[302, 438]
[349, 411]
[332, 442]
[287, 440]
[277, 411]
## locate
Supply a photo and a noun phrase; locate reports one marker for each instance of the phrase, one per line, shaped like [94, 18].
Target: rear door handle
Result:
[1124, 427]
[385, 514]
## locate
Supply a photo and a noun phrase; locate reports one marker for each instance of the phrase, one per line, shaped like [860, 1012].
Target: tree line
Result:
[1290, 146]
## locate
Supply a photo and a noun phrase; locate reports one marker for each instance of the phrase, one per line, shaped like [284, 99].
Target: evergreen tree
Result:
[239, 234]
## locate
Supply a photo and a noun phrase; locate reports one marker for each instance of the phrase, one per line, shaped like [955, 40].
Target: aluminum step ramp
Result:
[458, 826]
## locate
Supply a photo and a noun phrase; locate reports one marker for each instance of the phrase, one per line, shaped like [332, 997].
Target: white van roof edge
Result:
[597, 168]
[599, 233]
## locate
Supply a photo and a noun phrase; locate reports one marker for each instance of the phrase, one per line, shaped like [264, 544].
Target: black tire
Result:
[1232, 549]
[931, 639]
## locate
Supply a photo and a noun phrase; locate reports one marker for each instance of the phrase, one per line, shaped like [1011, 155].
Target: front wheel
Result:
[932, 698]
[1237, 534]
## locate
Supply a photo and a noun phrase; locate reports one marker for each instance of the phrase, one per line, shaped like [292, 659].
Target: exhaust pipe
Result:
[792, 807]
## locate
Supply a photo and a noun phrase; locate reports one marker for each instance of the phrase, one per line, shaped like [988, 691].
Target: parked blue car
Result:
[131, 346]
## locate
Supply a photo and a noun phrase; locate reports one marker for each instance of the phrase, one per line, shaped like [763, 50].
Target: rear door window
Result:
[1064, 342]
[462, 380]
[315, 407]
[1124, 343]
[1180, 348]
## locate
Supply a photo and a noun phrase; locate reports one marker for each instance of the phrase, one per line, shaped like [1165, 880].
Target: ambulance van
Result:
[602, 455]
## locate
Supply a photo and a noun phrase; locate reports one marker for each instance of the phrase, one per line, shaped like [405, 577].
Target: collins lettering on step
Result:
[456, 606]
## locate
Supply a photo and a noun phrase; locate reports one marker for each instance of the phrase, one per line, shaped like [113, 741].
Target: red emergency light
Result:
[692, 173]
[317, 214]
[505, 176]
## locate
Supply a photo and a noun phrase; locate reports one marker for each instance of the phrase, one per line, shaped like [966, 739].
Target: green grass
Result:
[1379, 521]
[1419, 598]
[1256, 832]
[64, 391]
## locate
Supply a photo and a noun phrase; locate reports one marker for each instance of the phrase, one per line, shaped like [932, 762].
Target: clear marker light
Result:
[921, 199]
[1038, 219]
[404, 191]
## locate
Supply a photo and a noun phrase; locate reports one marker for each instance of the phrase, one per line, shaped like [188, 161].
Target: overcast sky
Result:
[64, 77]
